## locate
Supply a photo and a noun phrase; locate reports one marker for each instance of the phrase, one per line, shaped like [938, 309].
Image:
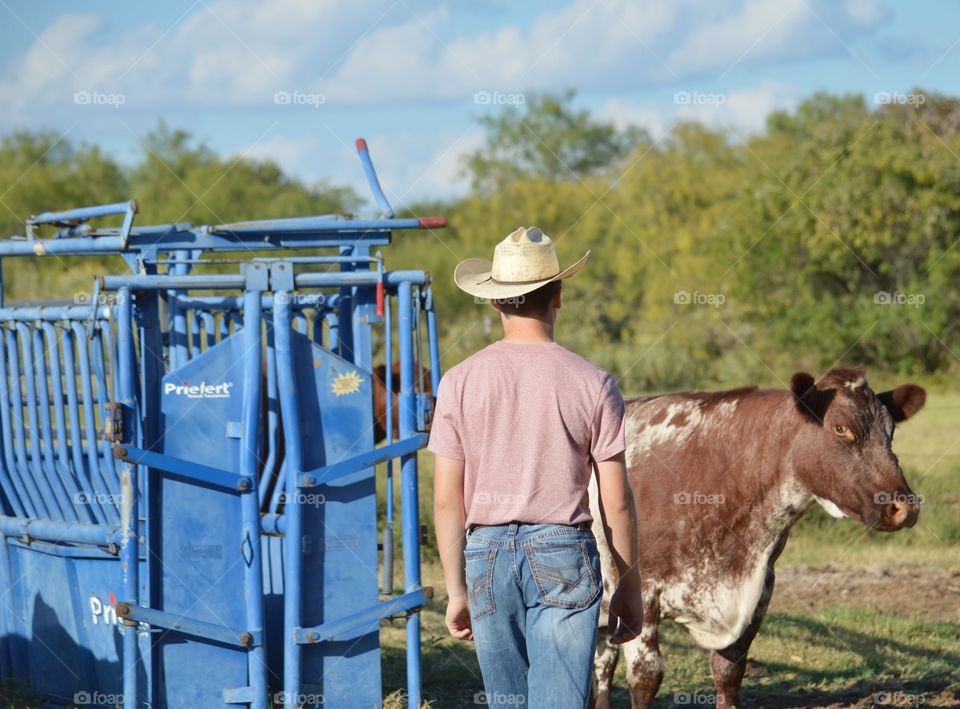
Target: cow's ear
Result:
[904, 401]
[811, 402]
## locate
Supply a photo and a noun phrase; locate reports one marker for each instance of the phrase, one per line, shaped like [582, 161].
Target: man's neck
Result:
[526, 330]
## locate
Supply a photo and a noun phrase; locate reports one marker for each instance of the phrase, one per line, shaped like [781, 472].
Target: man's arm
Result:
[619, 513]
[448, 518]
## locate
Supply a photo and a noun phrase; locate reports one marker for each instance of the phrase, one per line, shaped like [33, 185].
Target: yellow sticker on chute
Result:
[347, 383]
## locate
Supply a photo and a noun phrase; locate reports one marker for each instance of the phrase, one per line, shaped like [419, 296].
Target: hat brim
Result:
[473, 276]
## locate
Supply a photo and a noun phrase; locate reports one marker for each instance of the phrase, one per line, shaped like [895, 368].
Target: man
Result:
[517, 428]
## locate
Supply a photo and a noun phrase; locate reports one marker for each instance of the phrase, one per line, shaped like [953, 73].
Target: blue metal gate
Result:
[188, 469]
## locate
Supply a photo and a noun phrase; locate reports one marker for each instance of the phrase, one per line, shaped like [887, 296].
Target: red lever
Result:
[433, 222]
[380, 299]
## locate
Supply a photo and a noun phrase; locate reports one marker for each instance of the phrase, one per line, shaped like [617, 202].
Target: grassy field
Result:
[859, 618]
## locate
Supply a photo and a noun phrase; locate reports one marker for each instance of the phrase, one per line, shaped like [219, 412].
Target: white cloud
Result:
[411, 166]
[741, 110]
[238, 53]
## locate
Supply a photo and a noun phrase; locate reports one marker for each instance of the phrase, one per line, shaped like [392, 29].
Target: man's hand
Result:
[458, 618]
[626, 615]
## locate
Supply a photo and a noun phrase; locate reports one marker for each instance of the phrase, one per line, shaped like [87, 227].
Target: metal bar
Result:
[434, 343]
[354, 464]
[60, 532]
[409, 494]
[191, 626]
[293, 512]
[250, 504]
[260, 236]
[184, 468]
[272, 419]
[372, 179]
[102, 396]
[302, 280]
[179, 355]
[48, 485]
[21, 503]
[19, 429]
[209, 327]
[129, 519]
[56, 472]
[52, 313]
[98, 505]
[90, 421]
[388, 528]
[362, 622]
[63, 455]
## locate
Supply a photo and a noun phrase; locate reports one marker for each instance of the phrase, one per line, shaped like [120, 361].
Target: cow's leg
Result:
[729, 664]
[604, 665]
[644, 663]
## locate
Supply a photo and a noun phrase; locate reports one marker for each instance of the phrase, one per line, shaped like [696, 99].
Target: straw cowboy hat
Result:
[522, 262]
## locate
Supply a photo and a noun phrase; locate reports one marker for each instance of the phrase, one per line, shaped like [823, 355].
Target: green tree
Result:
[546, 137]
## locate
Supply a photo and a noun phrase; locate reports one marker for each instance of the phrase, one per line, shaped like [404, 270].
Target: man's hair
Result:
[531, 304]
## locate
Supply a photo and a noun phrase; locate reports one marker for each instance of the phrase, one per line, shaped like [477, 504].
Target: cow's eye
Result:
[843, 432]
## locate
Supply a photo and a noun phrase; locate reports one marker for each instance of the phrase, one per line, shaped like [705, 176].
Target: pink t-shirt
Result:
[526, 419]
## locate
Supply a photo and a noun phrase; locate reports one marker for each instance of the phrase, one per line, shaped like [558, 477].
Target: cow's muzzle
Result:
[900, 512]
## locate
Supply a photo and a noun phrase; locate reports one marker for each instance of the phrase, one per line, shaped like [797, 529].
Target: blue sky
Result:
[298, 81]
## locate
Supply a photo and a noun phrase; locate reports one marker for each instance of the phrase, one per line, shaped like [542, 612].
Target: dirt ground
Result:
[933, 595]
[929, 594]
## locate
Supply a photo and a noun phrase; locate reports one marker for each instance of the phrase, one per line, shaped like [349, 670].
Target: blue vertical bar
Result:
[97, 475]
[23, 505]
[388, 428]
[179, 355]
[19, 429]
[409, 494]
[48, 484]
[130, 541]
[293, 513]
[250, 501]
[97, 504]
[272, 420]
[63, 457]
[433, 342]
[59, 475]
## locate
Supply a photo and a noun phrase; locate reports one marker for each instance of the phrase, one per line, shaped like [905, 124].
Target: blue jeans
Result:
[535, 593]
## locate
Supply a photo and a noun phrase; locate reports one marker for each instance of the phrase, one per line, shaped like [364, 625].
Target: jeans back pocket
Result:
[479, 575]
[566, 573]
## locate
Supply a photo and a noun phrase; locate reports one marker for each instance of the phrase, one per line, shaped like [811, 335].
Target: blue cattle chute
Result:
[188, 474]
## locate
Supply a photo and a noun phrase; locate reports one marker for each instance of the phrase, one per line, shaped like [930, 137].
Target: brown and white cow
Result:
[719, 479]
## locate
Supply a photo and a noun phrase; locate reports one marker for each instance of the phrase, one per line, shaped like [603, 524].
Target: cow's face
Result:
[844, 454]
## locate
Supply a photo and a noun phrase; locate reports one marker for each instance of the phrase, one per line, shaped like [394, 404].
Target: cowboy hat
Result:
[522, 262]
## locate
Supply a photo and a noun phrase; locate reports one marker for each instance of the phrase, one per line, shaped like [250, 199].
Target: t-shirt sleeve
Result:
[608, 436]
[446, 426]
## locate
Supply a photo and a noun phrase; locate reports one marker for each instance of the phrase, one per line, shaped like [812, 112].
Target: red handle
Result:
[380, 299]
